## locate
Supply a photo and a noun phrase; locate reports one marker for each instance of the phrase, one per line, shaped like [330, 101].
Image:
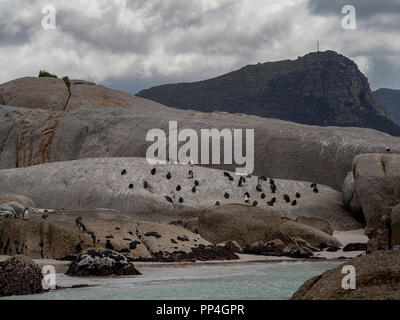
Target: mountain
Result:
[40, 124]
[320, 88]
[390, 100]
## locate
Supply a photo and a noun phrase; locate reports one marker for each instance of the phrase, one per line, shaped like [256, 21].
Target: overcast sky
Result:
[133, 45]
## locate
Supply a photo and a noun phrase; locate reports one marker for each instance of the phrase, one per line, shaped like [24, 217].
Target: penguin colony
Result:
[259, 191]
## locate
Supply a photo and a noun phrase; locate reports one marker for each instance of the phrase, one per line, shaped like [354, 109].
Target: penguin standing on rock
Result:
[226, 195]
[273, 200]
[217, 203]
[247, 197]
[258, 188]
[26, 214]
[194, 189]
[270, 204]
[190, 174]
[294, 202]
[254, 204]
[178, 188]
[180, 200]
[169, 199]
[315, 189]
[196, 183]
[298, 195]
[262, 195]
[286, 197]
[145, 184]
[241, 181]
[273, 188]
[153, 171]
[226, 174]
[123, 172]
[168, 175]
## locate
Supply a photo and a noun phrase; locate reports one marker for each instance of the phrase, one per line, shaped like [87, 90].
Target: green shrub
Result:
[67, 83]
[44, 73]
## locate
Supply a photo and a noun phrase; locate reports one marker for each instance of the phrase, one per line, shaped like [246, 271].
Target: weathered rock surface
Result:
[19, 275]
[60, 236]
[101, 122]
[248, 226]
[98, 183]
[100, 262]
[377, 183]
[350, 197]
[377, 278]
[312, 235]
[241, 223]
[316, 223]
[395, 226]
[22, 200]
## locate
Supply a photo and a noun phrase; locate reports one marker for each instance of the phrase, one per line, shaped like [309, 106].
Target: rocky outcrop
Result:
[327, 87]
[350, 197]
[98, 183]
[64, 234]
[316, 223]
[99, 262]
[395, 227]
[19, 275]
[377, 278]
[315, 237]
[390, 100]
[256, 230]
[377, 184]
[117, 125]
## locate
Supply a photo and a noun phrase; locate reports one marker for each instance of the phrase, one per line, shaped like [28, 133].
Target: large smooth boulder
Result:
[99, 262]
[310, 234]
[350, 197]
[241, 223]
[98, 183]
[248, 225]
[377, 182]
[22, 200]
[316, 223]
[100, 122]
[377, 278]
[19, 275]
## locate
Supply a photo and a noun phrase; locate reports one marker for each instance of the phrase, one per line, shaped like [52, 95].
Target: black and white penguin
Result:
[315, 189]
[387, 149]
[131, 186]
[226, 195]
[178, 188]
[226, 174]
[180, 200]
[294, 202]
[313, 185]
[262, 195]
[271, 182]
[194, 189]
[153, 171]
[190, 174]
[123, 172]
[247, 197]
[26, 214]
[262, 178]
[217, 203]
[286, 197]
[241, 181]
[168, 175]
[169, 199]
[298, 195]
[273, 188]
[270, 204]
[273, 200]
[196, 183]
[254, 204]
[258, 188]
[145, 184]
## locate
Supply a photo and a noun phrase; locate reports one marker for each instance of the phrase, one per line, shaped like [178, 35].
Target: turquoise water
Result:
[247, 281]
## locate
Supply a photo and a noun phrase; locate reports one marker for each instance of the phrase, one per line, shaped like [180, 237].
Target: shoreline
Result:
[344, 237]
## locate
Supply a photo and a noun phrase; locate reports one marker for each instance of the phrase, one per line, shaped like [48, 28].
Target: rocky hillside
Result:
[100, 122]
[390, 100]
[321, 88]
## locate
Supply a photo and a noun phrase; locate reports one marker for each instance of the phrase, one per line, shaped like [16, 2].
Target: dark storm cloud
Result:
[132, 45]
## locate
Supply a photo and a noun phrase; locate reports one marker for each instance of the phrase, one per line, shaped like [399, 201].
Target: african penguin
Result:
[180, 200]
[294, 202]
[217, 203]
[178, 188]
[190, 174]
[254, 204]
[196, 183]
[226, 195]
[168, 175]
[298, 195]
[123, 172]
[153, 171]
[286, 197]
[194, 189]
[169, 199]
[262, 195]
[131, 186]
